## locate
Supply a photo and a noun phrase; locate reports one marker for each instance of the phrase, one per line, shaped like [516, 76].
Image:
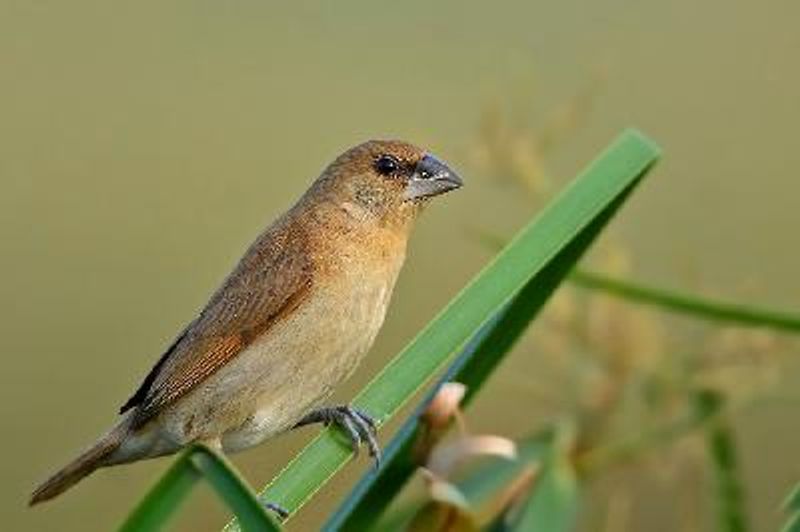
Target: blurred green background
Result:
[145, 144]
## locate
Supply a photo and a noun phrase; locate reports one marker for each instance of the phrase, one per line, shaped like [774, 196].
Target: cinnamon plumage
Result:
[293, 320]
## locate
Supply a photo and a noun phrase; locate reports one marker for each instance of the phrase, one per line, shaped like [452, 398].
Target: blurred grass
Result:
[472, 368]
[544, 251]
[553, 502]
[691, 304]
[792, 507]
[731, 497]
[135, 170]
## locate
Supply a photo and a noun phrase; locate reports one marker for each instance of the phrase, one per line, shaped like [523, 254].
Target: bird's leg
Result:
[358, 425]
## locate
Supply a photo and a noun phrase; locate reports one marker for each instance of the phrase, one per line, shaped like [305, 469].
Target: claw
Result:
[281, 512]
[352, 429]
[369, 431]
[359, 427]
[366, 418]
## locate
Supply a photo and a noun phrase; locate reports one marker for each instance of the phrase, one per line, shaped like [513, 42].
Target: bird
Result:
[291, 321]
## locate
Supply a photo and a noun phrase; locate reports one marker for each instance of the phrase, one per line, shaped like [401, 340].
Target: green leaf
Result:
[483, 483]
[223, 477]
[488, 488]
[375, 490]
[721, 447]
[472, 367]
[553, 502]
[674, 301]
[494, 489]
[191, 466]
[792, 507]
[793, 524]
[792, 502]
[546, 249]
[688, 304]
[164, 498]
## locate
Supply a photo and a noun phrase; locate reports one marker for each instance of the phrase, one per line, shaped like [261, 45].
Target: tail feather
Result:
[85, 464]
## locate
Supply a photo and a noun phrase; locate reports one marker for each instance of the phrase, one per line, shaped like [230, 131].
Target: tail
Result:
[85, 464]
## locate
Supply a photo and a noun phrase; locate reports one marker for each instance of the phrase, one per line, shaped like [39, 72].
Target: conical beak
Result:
[431, 177]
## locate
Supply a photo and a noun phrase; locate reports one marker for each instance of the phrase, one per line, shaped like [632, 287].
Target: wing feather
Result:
[270, 281]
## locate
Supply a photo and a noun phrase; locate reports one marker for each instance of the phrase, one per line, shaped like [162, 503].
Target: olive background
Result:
[144, 145]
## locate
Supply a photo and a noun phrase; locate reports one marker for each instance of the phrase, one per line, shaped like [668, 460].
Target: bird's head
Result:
[387, 179]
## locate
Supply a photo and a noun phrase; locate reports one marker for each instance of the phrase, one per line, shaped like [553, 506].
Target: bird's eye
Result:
[386, 165]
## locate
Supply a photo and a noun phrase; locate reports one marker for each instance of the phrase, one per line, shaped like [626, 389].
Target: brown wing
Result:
[270, 281]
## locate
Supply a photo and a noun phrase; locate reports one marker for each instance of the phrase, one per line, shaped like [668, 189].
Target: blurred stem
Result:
[687, 304]
[705, 406]
[730, 493]
[489, 346]
[671, 300]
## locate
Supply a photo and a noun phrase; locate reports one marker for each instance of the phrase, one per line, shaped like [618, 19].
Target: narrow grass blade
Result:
[231, 488]
[793, 524]
[376, 489]
[792, 507]
[164, 498]
[792, 502]
[721, 445]
[472, 367]
[688, 304]
[674, 301]
[538, 246]
[193, 465]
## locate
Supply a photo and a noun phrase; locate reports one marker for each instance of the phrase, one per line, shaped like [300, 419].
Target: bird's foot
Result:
[280, 512]
[359, 426]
